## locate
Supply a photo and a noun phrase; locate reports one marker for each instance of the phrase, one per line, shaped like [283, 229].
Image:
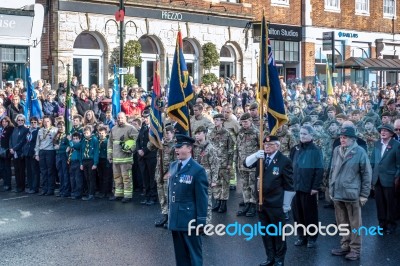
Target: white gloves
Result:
[363, 201]
[251, 159]
[287, 200]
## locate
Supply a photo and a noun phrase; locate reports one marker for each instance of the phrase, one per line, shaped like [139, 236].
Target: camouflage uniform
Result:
[233, 127]
[206, 155]
[168, 156]
[327, 151]
[371, 137]
[319, 138]
[224, 144]
[247, 143]
[295, 138]
[202, 121]
[286, 140]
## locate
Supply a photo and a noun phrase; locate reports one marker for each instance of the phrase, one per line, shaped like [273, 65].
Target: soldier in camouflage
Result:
[207, 156]
[286, 140]
[370, 134]
[319, 134]
[198, 119]
[294, 128]
[247, 143]
[224, 144]
[162, 175]
[255, 116]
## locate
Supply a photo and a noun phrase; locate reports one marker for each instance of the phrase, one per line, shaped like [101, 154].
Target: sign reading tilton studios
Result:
[279, 32]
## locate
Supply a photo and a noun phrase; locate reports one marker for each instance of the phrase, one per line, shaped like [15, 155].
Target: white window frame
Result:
[282, 3]
[389, 15]
[362, 11]
[332, 8]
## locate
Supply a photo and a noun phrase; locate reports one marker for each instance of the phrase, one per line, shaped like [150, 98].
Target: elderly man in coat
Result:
[349, 187]
[386, 164]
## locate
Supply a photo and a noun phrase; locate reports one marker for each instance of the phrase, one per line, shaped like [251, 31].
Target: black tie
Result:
[267, 161]
[179, 166]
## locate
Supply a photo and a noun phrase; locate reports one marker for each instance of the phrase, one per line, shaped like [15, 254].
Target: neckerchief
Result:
[87, 147]
[47, 132]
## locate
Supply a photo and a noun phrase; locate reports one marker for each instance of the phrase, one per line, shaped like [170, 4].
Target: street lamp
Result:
[119, 17]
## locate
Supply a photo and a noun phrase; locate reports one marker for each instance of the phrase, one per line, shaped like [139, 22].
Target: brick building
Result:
[77, 35]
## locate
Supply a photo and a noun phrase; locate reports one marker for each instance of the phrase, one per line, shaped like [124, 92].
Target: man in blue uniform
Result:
[188, 200]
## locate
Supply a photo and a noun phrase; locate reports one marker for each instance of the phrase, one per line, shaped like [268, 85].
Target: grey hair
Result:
[19, 116]
[309, 129]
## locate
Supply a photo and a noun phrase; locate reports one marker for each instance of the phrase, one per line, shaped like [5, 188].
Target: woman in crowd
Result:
[28, 151]
[90, 119]
[83, 104]
[6, 130]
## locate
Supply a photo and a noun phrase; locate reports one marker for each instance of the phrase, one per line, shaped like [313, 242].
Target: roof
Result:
[370, 63]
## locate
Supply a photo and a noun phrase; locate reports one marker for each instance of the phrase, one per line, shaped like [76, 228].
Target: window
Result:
[285, 51]
[389, 8]
[332, 5]
[13, 54]
[7, 54]
[280, 2]
[362, 6]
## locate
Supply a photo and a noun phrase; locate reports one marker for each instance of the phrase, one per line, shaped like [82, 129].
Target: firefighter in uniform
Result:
[121, 143]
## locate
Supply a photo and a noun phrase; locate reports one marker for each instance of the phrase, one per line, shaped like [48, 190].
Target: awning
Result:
[370, 63]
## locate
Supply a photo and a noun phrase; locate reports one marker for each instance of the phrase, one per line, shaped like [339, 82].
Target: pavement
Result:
[46, 230]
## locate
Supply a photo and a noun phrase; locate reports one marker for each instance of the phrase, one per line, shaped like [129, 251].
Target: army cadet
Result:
[207, 156]
[122, 142]
[255, 116]
[319, 133]
[341, 118]
[198, 119]
[294, 128]
[247, 143]
[370, 113]
[386, 118]
[162, 174]
[286, 140]
[187, 200]
[371, 135]
[314, 116]
[224, 144]
[331, 115]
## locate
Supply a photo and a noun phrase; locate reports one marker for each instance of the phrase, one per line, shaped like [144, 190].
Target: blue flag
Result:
[68, 107]
[180, 91]
[156, 129]
[32, 105]
[270, 85]
[116, 96]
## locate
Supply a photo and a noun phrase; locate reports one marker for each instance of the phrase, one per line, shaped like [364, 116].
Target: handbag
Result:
[3, 153]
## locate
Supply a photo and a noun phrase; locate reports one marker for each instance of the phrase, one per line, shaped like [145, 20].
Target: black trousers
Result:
[33, 173]
[90, 176]
[148, 171]
[188, 249]
[305, 211]
[275, 247]
[19, 169]
[385, 205]
[104, 172]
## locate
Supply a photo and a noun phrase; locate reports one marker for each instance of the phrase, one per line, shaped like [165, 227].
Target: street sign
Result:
[123, 71]
[328, 38]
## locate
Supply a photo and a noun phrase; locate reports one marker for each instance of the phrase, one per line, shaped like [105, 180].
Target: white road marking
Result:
[16, 198]
[25, 214]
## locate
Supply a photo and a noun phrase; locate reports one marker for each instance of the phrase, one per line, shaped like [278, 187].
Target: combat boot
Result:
[217, 206]
[162, 221]
[244, 210]
[252, 210]
[222, 209]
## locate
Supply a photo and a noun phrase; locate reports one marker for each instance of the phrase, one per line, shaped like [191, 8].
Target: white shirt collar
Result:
[184, 162]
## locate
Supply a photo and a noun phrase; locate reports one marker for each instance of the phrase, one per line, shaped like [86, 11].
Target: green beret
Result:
[220, 116]
[200, 129]
[245, 116]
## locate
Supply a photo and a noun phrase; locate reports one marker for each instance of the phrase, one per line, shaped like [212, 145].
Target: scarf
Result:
[87, 147]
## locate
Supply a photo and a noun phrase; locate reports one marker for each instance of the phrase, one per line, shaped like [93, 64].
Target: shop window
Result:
[20, 55]
[285, 50]
[332, 5]
[389, 8]
[362, 7]
[7, 54]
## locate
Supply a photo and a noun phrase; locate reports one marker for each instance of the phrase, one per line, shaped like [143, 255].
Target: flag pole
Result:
[261, 114]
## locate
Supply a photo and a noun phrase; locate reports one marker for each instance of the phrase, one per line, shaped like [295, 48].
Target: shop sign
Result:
[278, 32]
[170, 15]
[15, 26]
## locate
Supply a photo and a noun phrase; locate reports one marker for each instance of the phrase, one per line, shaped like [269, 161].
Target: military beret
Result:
[391, 101]
[386, 114]
[183, 140]
[169, 128]
[220, 116]
[245, 116]
[294, 121]
[341, 115]
[253, 106]
[270, 139]
[331, 108]
[318, 123]
[369, 120]
[200, 129]
[356, 112]
[314, 112]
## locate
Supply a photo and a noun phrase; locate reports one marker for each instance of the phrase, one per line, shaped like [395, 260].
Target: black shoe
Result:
[144, 202]
[300, 242]
[43, 193]
[267, 263]
[241, 204]
[329, 206]
[150, 202]
[222, 208]
[252, 210]
[244, 210]
[6, 188]
[311, 244]
[126, 200]
[232, 187]
[162, 221]
[89, 198]
[114, 198]
[217, 205]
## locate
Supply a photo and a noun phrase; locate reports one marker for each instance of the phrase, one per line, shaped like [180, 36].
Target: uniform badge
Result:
[275, 170]
[185, 179]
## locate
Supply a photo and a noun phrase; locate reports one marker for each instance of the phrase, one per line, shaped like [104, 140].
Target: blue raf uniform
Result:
[188, 200]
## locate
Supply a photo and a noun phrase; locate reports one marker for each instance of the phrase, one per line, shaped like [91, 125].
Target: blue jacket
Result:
[76, 151]
[28, 149]
[187, 195]
[18, 139]
[93, 149]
